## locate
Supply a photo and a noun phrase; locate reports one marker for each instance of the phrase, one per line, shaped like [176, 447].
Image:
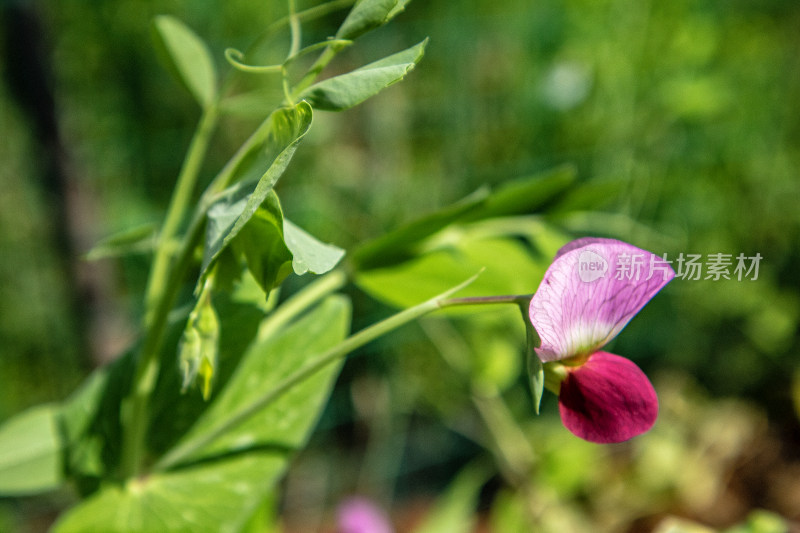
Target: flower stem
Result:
[517, 299]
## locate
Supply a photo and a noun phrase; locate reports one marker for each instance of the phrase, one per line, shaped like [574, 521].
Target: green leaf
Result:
[269, 159]
[219, 496]
[521, 196]
[187, 57]
[309, 254]
[286, 421]
[510, 269]
[400, 244]
[345, 91]
[135, 240]
[367, 15]
[230, 478]
[89, 422]
[526, 195]
[261, 241]
[30, 452]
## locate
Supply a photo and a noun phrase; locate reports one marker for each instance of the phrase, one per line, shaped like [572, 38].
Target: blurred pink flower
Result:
[360, 515]
[589, 293]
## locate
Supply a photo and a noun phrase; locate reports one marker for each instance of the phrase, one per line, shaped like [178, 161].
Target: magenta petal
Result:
[590, 292]
[607, 399]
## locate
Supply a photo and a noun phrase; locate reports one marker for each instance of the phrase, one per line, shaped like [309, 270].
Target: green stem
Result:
[518, 299]
[184, 451]
[294, 29]
[161, 292]
[302, 16]
[322, 61]
[301, 301]
[176, 212]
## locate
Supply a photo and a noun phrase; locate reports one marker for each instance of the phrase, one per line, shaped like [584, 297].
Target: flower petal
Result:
[590, 292]
[360, 515]
[607, 399]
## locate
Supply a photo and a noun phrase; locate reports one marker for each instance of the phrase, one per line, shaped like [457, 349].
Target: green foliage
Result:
[347, 90]
[261, 242]
[140, 239]
[235, 209]
[679, 119]
[308, 253]
[367, 15]
[30, 452]
[229, 476]
[187, 57]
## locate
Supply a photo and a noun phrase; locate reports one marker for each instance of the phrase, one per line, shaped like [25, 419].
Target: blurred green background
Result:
[682, 119]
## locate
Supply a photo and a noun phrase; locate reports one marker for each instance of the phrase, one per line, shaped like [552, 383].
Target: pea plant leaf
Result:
[308, 253]
[210, 498]
[187, 58]
[228, 479]
[261, 242]
[367, 15]
[140, 239]
[227, 217]
[347, 90]
[509, 269]
[525, 195]
[30, 452]
[400, 244]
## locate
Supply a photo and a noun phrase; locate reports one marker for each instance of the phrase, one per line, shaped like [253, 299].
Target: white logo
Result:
[591, 266]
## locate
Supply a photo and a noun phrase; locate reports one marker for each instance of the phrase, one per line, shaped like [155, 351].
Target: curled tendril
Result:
[236, 58]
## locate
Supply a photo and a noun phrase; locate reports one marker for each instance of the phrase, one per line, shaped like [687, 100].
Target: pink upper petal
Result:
[590, 292]
[607, 399]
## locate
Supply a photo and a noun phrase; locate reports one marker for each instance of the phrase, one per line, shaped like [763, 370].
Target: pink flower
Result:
[590, 292]
[360, 515]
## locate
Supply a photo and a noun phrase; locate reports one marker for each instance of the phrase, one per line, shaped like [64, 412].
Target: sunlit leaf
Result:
[268, 160]
[215, 497]
[308, 253]
[30, 452]
[222, 494]
[187, 57]
[345, 91]
[285, 422]
[509, 269]
[367, 15]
